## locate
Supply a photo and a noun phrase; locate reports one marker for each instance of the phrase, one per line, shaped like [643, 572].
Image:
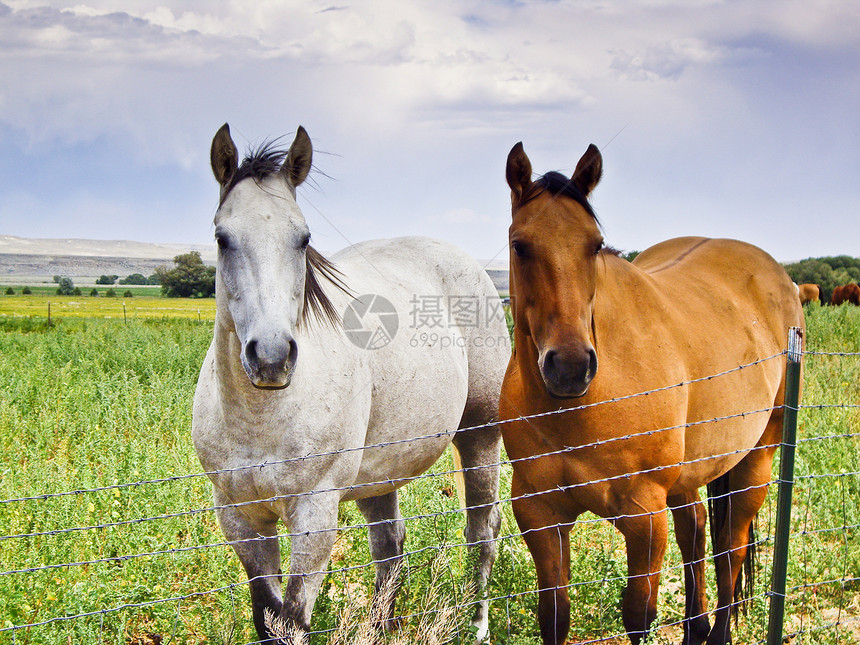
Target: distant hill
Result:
[32, 260]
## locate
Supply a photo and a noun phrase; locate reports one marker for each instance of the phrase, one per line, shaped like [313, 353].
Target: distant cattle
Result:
[846, 293]
[809, 293]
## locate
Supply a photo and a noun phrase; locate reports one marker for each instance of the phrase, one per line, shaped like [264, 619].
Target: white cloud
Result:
[667, 60]
[404, 90]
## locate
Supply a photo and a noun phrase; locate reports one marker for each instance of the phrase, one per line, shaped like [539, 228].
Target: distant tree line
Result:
[827, 272]
[134, 278]
[189, 278]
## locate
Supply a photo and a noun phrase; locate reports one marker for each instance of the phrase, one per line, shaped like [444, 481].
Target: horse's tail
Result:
[719, 513]
[459, 480]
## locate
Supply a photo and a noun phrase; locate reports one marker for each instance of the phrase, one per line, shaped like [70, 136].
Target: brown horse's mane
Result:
[557, 184]
[262, 162]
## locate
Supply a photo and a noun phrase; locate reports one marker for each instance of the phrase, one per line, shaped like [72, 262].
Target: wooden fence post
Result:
[786, 483]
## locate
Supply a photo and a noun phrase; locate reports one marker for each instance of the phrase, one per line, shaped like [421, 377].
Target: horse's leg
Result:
[748, 479]
[260, 558]
[386, 545]
[645, 535]
[479, 455]
[547, 537]
[312, 522]
[690, 519]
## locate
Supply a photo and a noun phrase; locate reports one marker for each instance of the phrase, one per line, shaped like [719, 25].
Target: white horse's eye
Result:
[223, 241]
[306, 241]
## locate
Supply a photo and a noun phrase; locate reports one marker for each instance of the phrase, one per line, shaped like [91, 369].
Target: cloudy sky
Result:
[735, 119]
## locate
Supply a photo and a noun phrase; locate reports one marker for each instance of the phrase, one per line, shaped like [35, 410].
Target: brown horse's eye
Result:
[600, 246]
[519, 249]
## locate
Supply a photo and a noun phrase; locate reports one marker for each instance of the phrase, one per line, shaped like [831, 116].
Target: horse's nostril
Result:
[592, 363]
[251, 352]
[549, 361]
[294, 353]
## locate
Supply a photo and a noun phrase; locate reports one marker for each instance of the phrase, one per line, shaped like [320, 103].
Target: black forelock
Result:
[260, 162]
[557, 184]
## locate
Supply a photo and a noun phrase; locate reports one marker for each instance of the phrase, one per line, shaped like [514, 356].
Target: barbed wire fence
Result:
[821, 580]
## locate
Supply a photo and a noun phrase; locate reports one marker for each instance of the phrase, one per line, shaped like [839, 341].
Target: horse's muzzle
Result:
[567, 372]
[270, 364]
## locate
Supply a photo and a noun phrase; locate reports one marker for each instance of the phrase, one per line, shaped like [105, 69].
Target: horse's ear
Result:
[297, 165]
[224, 156]
[588, 170]
[518, 172]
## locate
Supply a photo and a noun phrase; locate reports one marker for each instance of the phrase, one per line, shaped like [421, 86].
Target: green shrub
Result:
[134, 278]
[10, 291]
[66, 288]
[189, 278]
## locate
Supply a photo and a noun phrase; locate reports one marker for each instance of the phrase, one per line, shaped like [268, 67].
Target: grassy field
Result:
[50, 289]
[91, 402]
[146, 303]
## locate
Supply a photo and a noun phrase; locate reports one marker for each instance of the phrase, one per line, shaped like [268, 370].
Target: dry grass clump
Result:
[357, 627]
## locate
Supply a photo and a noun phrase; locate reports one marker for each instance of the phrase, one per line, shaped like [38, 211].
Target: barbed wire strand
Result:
[437, 435]
[276, 498]
[181, 598]
[353, 527]
[178, 550]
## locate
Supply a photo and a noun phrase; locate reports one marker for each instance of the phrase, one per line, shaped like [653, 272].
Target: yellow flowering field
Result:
[103, 307]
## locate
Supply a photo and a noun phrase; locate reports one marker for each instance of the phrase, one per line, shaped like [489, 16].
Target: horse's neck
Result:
[621, 288]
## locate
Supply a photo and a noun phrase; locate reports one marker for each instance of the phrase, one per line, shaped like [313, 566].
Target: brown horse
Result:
[809, 293]
[849, 293]
[590, 326]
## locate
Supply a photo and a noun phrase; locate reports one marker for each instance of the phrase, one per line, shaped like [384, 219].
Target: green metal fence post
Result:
[786, 483]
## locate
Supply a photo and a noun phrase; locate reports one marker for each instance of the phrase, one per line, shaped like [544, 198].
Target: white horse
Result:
[284, 379]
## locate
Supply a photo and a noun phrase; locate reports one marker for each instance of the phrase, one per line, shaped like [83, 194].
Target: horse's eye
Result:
[306, 241]
[600, 246]
[223, 241]
[520, 249]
